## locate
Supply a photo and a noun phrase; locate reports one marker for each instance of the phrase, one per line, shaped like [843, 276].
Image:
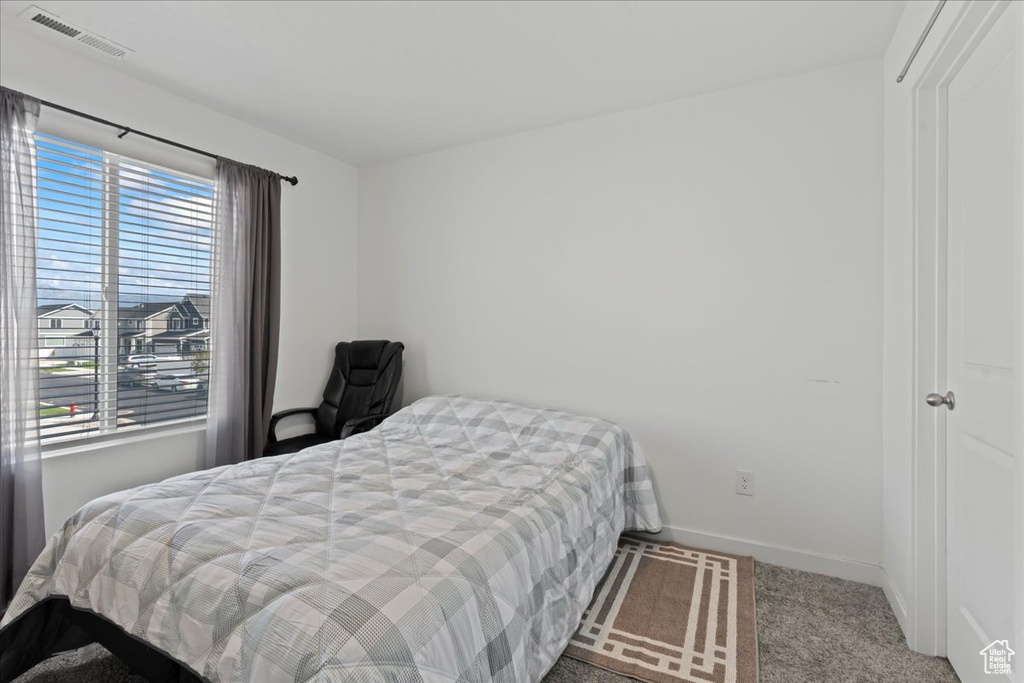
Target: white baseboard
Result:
[793, 558]
[899, 607]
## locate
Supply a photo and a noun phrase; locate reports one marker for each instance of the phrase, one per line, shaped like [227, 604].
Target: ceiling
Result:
[372, 81]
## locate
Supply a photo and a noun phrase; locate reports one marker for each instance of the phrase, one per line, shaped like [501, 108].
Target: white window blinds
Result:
[123, 276]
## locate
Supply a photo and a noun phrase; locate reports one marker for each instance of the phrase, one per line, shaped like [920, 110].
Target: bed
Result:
[461, 540]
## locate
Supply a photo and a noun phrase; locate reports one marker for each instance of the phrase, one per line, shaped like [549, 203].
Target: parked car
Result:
[145, 360]
[134, 375]
[166, 382]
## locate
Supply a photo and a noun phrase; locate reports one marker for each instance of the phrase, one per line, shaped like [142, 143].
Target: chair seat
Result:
[295, 444]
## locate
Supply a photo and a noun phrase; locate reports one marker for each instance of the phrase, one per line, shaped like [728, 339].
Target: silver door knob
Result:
[936, 400]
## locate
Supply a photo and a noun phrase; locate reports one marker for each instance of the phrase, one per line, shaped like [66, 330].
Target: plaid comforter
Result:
[459, 541]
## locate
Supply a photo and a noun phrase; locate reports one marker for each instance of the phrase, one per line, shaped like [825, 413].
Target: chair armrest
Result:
[359, 425]
[277, 417]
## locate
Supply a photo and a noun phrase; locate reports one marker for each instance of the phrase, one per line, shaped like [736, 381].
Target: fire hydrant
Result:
[74, 409]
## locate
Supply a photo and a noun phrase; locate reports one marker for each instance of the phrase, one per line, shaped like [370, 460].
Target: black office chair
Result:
[357, 398]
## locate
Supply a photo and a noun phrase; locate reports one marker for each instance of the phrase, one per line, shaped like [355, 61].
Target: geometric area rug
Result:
[665, 613]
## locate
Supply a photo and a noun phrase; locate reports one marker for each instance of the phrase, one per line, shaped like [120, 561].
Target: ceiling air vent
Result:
[51, 21]
[102, 45]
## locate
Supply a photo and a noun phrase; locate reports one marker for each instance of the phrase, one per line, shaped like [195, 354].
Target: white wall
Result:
[318, 246]
[70, 481]
[706, 272]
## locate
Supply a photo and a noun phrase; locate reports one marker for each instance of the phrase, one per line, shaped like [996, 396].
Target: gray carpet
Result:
[811, 629]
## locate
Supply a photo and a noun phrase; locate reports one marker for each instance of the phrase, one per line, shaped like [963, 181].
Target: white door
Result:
[983, 438]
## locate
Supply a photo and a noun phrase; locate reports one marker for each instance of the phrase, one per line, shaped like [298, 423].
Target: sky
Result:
[164, 222]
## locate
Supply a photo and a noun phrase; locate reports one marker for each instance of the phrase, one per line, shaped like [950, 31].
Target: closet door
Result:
[983, 439]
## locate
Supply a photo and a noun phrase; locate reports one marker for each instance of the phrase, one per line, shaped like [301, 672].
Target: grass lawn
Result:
[53, 411]
[81, 365]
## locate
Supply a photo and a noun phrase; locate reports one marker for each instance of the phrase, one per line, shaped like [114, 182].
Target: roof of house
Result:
[144, 310]
[187, 309]
[180, 334]
[201, 302]
[47, 309]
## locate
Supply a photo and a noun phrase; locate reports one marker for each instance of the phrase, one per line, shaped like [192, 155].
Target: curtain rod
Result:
[920, 41]
[125, 130]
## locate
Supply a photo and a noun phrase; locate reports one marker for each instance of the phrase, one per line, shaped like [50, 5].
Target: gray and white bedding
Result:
[459, 541]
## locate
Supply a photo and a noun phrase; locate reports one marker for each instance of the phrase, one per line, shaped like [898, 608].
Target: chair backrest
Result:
[363, 382]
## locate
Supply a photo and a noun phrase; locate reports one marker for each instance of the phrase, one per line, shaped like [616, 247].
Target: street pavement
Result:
[135, 404]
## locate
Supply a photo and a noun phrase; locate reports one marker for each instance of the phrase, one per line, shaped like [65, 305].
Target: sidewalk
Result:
[67, 372]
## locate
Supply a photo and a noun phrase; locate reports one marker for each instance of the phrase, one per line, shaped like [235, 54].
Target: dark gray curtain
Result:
[245, 311]
[21, 489]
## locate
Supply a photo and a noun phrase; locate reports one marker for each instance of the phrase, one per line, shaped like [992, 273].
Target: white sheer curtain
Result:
[245, 312]
[21, 494]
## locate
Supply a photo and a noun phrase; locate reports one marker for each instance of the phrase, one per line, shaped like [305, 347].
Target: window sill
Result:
[78, 445]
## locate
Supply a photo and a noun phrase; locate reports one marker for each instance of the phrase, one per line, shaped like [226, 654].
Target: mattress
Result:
[461, 540]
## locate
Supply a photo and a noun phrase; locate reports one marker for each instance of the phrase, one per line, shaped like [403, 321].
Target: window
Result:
[141, 235]
[55, 323]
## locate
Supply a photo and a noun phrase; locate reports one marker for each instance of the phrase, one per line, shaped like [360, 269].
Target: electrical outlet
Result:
[744, 483]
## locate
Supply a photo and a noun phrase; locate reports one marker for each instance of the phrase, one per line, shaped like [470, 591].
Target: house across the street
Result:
[165, 327]
[65, 330]
[188, 327]
[180, 327]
